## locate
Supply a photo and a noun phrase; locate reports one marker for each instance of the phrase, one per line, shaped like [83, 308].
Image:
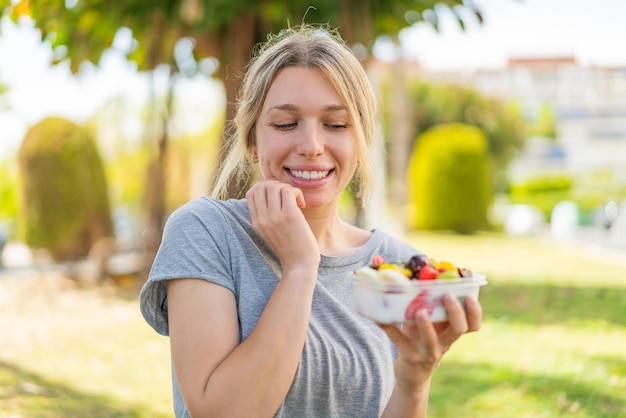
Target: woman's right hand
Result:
[275, 208]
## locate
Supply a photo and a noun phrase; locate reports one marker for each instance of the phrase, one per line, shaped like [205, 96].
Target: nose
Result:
[311, 143]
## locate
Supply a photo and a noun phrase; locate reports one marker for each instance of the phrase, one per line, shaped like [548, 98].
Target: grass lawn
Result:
[553, 343]
[66, 352]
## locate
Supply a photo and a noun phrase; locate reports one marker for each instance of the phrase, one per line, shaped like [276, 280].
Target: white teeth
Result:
[309, 175]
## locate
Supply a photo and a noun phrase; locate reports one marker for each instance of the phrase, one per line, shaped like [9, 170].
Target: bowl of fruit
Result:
[393, 292]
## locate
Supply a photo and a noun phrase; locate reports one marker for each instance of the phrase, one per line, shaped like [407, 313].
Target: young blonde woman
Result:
[255, 294]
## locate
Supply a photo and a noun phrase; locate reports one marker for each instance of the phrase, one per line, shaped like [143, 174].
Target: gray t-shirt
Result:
[346, 368]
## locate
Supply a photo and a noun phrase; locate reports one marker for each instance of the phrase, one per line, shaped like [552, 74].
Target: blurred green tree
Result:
[64, 204]
[502, 122]
[448, 179]
[180, 34]
[432, 104]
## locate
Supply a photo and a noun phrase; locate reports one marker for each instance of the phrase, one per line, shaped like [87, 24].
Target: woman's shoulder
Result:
[207, 215]
[205, 208]
[204, 204]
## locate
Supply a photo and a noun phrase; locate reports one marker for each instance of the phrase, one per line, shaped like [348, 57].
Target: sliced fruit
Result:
[428, 273]
[394, 276]
[419, 302]
[446, 265]
[448, 274]
[367, 273]
[378, 259]
[463, 272]
[415, 264]
[387, 266]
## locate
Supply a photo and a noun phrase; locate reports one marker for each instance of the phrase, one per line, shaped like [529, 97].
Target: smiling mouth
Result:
[309, 175]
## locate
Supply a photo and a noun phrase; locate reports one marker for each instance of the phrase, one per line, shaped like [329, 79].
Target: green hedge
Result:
[542, 191]
[448, 179]
[64, 206]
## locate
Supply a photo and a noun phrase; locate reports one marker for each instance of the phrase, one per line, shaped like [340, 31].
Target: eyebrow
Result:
[292, 108]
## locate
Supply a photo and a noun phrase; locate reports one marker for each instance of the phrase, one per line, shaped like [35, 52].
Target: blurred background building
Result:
[589, 105]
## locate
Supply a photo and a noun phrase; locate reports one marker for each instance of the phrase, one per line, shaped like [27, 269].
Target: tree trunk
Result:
[237, 44]
[355, 25]
[355, 21]
[156, 184]
[400, 134]
[157, 140]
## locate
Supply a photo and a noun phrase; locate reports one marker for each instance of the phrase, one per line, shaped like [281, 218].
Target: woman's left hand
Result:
[422, 344]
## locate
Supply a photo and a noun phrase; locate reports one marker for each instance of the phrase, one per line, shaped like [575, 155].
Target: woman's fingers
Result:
[299, 197]
[422, 343]
[456, 325]
[277, 218]
[474, 313]
[419, 350]
[428, 335]
[463, 320]
[456, 315]
[460, 321]
[414, 337]
[271, 190]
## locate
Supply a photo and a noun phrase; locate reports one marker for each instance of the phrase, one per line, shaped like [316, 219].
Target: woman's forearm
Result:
[255, 377]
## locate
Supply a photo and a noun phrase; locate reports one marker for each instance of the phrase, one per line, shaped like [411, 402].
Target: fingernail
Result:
[449, 296]
[470, 299]
[422, 314]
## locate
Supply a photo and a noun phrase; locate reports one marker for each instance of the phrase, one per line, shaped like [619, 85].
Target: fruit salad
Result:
[418, 267]
[394, 292]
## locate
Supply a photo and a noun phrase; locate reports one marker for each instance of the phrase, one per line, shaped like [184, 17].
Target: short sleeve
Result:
[194, 245]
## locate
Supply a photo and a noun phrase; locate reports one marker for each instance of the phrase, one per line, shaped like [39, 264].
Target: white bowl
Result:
[389, 303]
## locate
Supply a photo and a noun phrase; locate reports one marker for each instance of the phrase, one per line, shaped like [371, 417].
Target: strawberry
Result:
[378, 259]
[428, 272]
[419, 302]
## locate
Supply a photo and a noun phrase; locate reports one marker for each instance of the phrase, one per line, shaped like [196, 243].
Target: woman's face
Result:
[304, 136]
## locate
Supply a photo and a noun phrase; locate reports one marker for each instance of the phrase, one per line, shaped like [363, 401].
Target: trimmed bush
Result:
[64, 205]
[448, 180]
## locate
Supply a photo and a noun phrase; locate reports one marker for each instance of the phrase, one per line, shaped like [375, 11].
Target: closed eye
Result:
[337, 126]
[284, 126]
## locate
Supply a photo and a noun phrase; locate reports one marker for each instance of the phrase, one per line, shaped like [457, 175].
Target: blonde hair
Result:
[304, 46]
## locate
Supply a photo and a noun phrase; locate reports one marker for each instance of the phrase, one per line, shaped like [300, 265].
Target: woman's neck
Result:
[334, 235]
